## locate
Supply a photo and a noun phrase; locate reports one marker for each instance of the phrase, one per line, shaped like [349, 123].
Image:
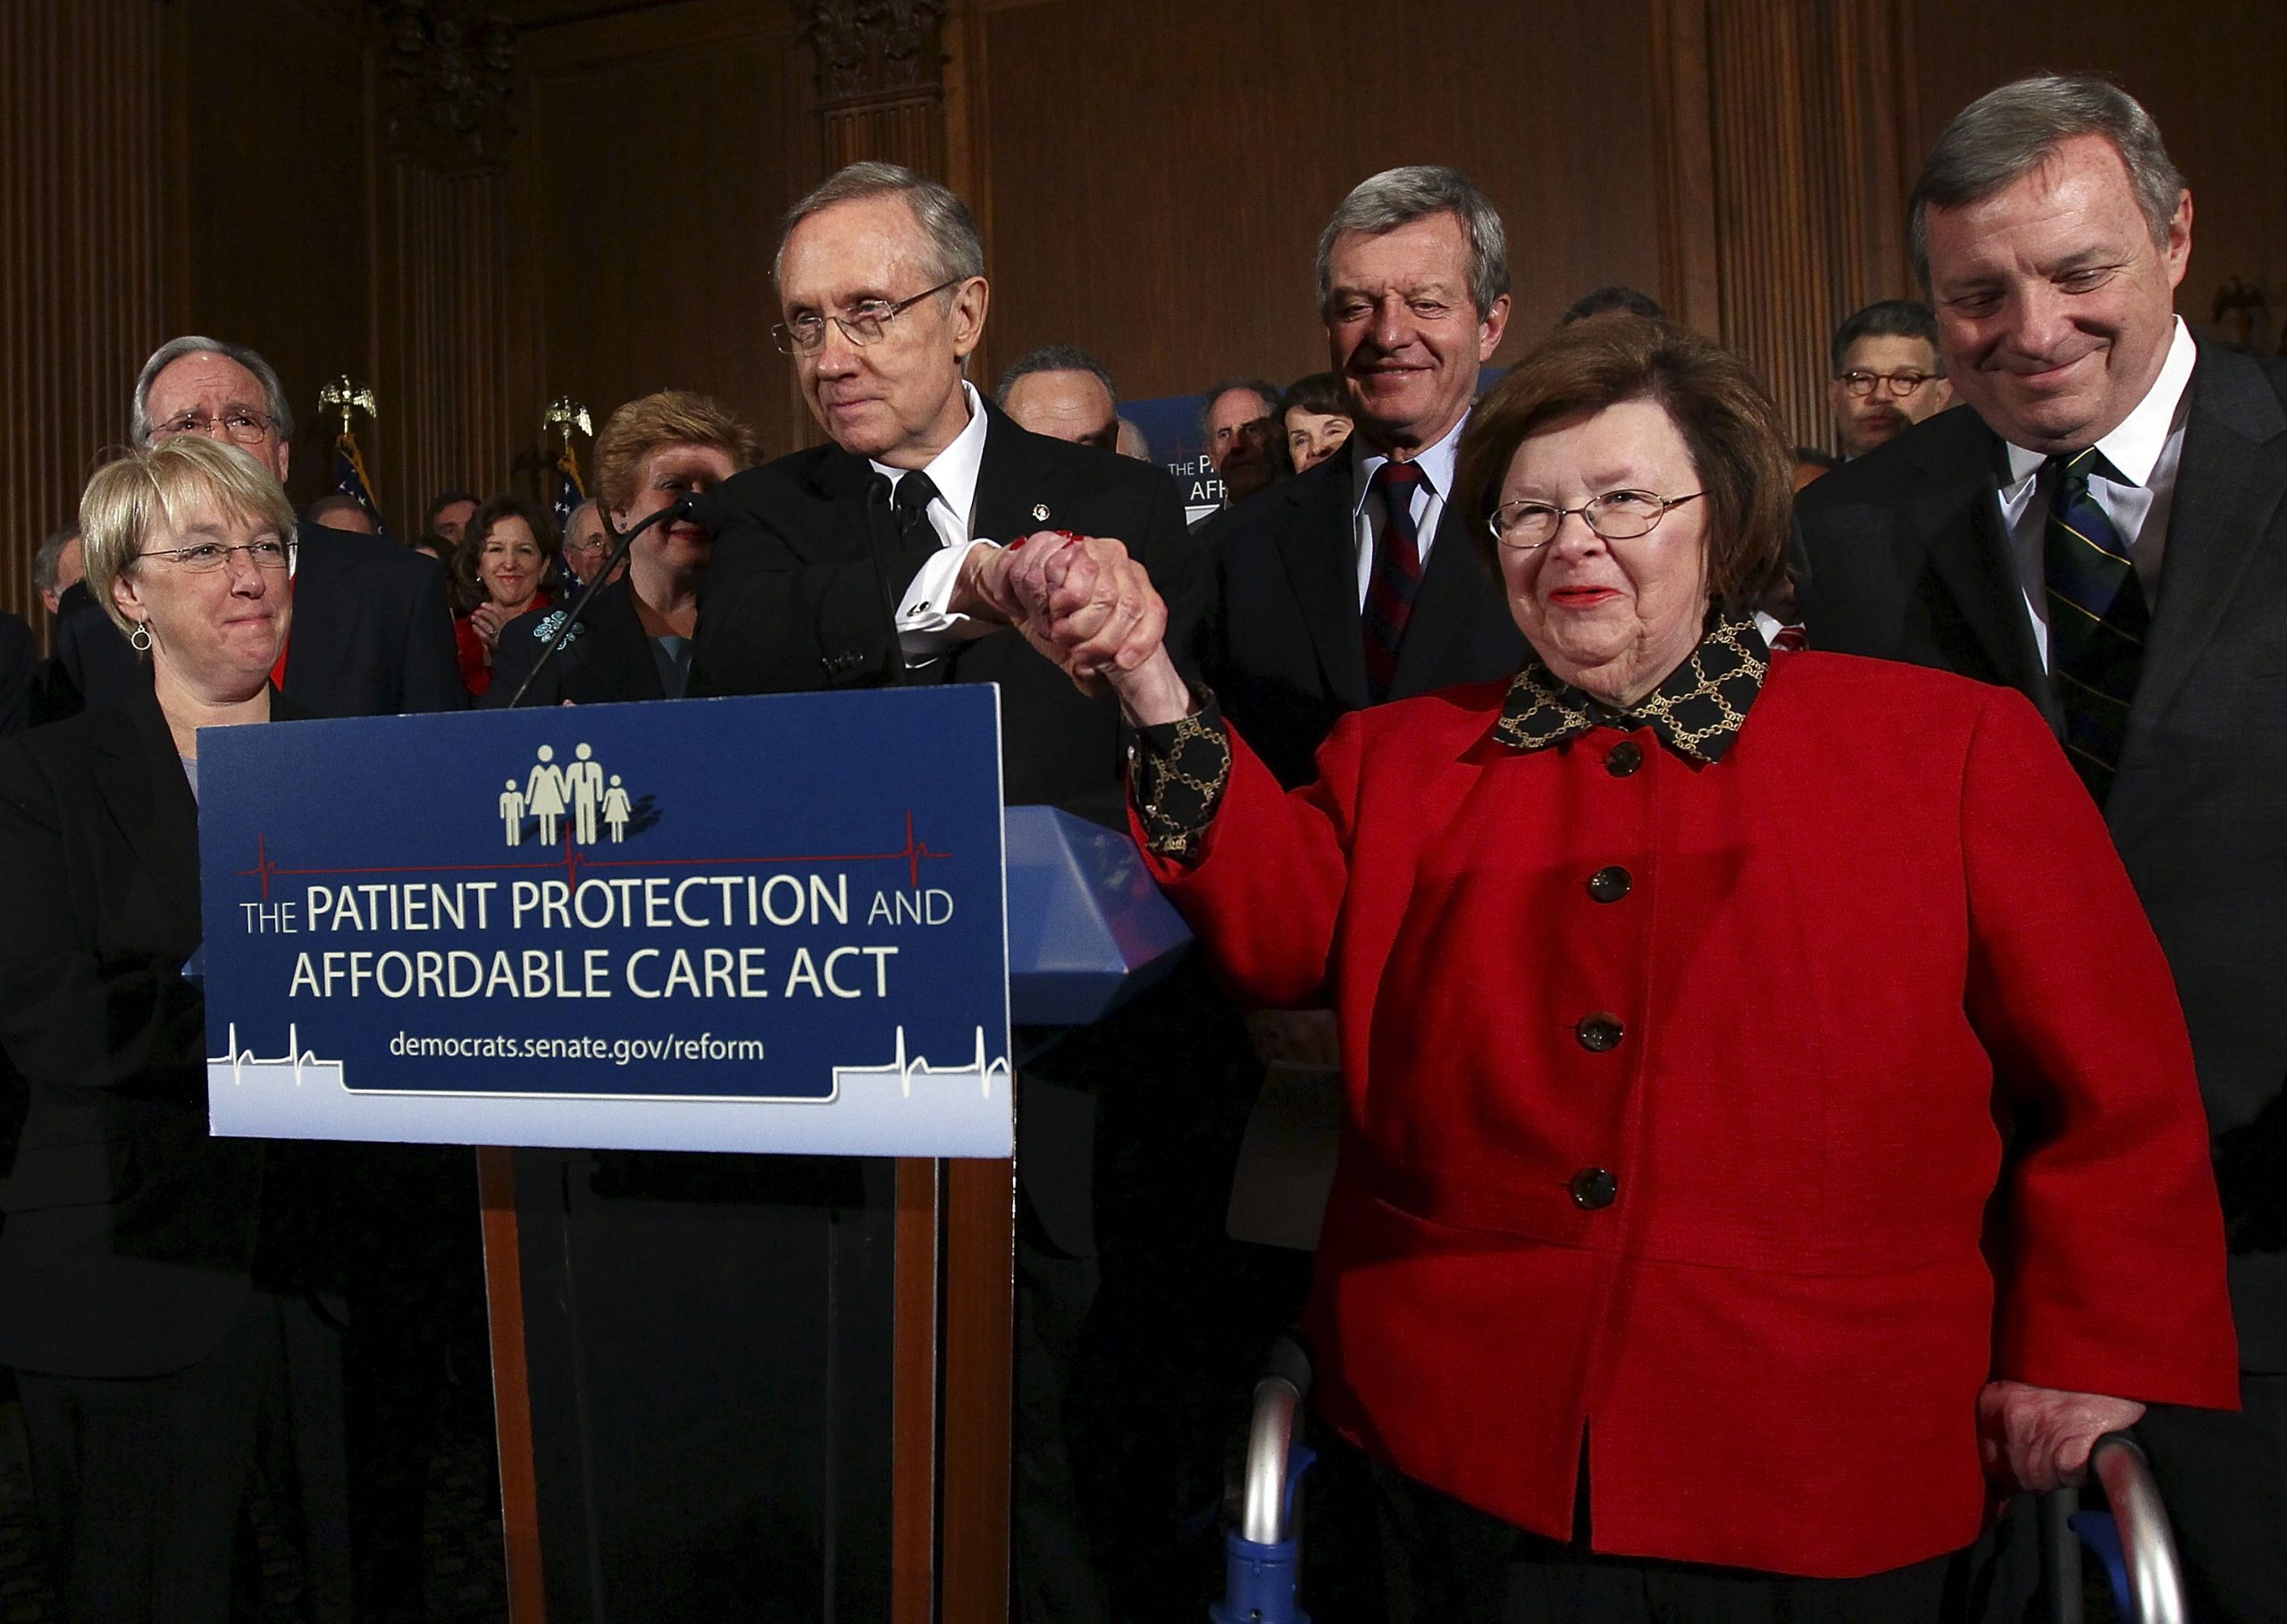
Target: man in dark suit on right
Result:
[1324, 605]
[2103, 528]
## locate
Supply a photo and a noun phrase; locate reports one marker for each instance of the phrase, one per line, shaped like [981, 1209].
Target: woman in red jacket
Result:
[1770, 1129]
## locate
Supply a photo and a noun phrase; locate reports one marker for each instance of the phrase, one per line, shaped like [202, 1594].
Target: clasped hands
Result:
[1088, 607]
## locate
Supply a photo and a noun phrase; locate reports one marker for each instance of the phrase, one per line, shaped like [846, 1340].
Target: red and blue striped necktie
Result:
[1390, 590]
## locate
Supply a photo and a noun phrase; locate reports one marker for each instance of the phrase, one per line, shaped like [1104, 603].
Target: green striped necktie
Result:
[2097, 618]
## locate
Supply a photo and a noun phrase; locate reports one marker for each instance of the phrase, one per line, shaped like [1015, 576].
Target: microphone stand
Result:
[685, 507]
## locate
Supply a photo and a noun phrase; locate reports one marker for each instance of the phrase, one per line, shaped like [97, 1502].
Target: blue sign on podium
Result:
[764, 924]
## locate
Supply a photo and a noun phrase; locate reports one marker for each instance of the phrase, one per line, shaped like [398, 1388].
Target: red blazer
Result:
[1888, 919]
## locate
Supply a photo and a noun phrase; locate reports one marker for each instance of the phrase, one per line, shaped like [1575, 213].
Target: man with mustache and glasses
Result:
[1887, 376]
[2104, 530]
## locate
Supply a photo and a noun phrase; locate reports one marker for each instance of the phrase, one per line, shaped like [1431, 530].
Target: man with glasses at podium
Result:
[877, 559]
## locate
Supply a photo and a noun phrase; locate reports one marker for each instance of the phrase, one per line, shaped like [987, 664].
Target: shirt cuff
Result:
[1178, 771]
[923, 626]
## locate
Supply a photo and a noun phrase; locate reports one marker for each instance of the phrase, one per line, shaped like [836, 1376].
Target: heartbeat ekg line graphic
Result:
[238, 1059]
[573, 860]
[906, 1069]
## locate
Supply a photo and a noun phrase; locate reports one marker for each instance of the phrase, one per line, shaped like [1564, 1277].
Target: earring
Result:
[139, 639]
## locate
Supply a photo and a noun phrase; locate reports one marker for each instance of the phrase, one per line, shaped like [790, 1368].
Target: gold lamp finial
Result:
[567, 413]
[343, 396]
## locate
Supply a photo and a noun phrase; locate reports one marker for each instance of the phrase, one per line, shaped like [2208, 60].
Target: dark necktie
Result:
[910, 502]
[2097, 618]
[1397, 575]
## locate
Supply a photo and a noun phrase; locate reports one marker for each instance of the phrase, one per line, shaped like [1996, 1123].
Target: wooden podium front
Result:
[767, 1387]
[767, 1376]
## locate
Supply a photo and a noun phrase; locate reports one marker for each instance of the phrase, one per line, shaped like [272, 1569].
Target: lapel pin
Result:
[1040, 511]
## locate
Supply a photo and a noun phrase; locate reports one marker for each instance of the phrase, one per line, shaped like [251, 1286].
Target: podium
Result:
[770, 1382]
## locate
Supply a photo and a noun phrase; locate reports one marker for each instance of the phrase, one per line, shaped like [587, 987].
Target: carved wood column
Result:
[1788, 149]
[887, 89]
[81, 254]
[442, 90]
[881, 90]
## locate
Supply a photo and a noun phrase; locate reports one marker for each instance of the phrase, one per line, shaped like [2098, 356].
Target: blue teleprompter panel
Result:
[1088, 928]
[766, 924]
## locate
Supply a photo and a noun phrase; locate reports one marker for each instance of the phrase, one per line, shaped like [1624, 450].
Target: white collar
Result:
[954, 470]
[2133, 449]
[1436, 463]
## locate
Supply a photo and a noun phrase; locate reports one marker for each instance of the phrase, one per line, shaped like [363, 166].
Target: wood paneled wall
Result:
[657, 148]
[269, 201]
[1158, 172]
[443, 304]
[79, 254]
[1157, 188]
[169, 168]
[1806, 105]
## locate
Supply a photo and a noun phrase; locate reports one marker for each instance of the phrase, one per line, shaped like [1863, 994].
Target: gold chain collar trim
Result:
[1697, 711]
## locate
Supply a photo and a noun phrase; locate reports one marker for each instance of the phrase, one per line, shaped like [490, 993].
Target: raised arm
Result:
[1260, 874]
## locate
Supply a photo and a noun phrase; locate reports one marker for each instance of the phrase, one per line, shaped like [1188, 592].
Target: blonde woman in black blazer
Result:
[151, 1299]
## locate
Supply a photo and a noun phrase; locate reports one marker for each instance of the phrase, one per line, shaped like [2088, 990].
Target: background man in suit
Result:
[1324, 605]
[1064, 393]
[2104, 530]
[56, 568]
[448, 513]
[1351, 583]
[874, 559]
[1885, 374]
[339, 510]
[1235, 429]
[372, 635]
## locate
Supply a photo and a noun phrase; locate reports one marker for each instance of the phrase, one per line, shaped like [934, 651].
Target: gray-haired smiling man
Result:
[2104, 530]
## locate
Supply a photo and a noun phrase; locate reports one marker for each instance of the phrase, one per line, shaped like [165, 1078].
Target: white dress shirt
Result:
[1436, 464]
[2144, 451]
[923, 626]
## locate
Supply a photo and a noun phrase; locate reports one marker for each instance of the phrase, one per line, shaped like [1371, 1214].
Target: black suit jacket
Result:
[130, 1237]
[808, 573]
[606, 657]
[18, 665]
[372, 635]
[1902, 554]
[1285, 648]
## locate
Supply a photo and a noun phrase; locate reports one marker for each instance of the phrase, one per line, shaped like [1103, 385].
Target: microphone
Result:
[703, 508]
[693, 506]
